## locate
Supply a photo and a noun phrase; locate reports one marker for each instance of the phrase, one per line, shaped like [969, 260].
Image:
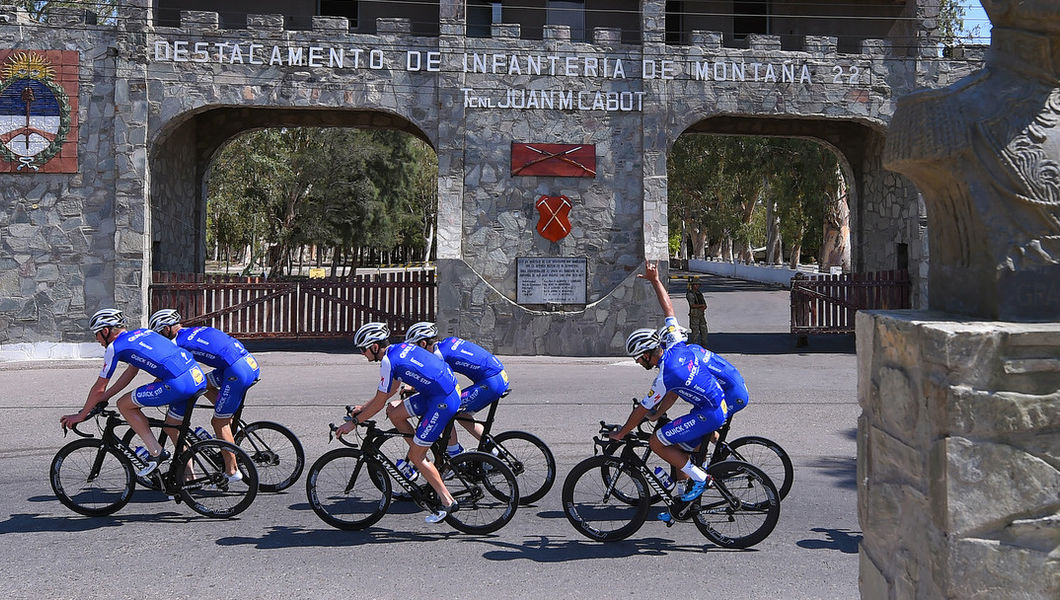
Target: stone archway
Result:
[180, 159]
[875, 197]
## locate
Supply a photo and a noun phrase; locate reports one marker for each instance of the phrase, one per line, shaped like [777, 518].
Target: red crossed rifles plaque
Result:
[553, 224]
[554, 160]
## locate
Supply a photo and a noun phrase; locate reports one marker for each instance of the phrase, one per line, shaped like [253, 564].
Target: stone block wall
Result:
[958, 457]
[149, 128]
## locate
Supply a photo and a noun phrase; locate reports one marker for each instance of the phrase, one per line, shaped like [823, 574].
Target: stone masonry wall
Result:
[79, 242]
[958, 457]
[59, 239]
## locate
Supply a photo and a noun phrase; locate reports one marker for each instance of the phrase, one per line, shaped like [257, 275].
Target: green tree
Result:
[335, 189]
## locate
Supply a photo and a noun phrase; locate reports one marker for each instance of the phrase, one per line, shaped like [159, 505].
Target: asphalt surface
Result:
[803, 398]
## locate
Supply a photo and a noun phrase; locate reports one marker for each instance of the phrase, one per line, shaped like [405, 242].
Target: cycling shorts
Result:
[174, 392]
[232, 384]
[435, 412]
[483, 393]
[732, 383]
[688, 431]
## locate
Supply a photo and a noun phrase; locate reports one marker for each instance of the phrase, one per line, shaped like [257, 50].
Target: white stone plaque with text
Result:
[559, 280]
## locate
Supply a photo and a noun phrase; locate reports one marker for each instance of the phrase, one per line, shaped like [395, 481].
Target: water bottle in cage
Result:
[664, 478]
[142, 454]
[407, 469]
[202, 434]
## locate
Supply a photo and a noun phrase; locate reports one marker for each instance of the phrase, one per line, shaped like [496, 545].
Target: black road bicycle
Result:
[761, 452]
[608, 496]
[276, 451]
[96, 476]
[350, 488]
[527, 455]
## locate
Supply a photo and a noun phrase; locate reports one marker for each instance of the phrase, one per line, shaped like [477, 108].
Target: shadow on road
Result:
[281, 537]
[842, 469]
[778, 343]
[547, 550]
[38, 523]
[842, 540]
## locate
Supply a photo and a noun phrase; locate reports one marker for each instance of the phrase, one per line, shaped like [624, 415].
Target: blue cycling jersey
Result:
[211, 347]
[422, 369]
[149, 351]
[683, 370]
[468, 359]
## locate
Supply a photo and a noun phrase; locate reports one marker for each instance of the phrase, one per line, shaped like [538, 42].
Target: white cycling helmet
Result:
[371, 333]
[681, 330]
[107, 317]
[424, 330]
[164, 318]
[642, 340]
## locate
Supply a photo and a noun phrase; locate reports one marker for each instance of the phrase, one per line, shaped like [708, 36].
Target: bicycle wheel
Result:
[90, 478]
[768, 456]
[740, 509]
[592, 502]
[486, 490]
[652, 460]
[347, 490]
[530, 460]
[276, 452]
[205, 487]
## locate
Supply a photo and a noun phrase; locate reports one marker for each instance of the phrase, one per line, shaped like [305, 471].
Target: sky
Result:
[974, 16]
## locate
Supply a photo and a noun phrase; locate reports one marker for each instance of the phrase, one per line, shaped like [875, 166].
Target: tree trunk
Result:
[796, 249]
[774, 249]
[835, 247]
[726, 249]
[428, 244]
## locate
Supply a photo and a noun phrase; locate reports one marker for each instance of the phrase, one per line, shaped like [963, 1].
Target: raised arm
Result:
[651, 273]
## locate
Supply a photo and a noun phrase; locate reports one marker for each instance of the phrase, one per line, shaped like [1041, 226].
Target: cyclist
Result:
[234, 370]
[488, 377]
[179, 378]
[691, 373]
[436, 402]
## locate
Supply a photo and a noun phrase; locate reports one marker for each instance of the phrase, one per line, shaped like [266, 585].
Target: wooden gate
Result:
[256, 308]
[827, 303]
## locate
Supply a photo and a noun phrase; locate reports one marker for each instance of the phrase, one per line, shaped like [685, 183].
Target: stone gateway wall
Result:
[958, 457]
[156, 103]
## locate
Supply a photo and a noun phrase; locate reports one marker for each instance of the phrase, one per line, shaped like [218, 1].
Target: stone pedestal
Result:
[958, 457]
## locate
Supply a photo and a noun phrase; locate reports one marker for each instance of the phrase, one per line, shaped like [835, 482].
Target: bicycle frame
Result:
[112, 441]
[639, 439]
[373, 438]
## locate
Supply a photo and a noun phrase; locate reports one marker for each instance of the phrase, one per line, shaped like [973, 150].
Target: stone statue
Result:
[985, 154]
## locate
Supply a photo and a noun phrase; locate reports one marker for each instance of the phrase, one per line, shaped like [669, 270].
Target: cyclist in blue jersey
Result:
[234, 371]
[488, 377]
[436, 402]
[179, 378]
[688, 372]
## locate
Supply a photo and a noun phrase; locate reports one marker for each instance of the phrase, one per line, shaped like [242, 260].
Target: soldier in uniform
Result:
[697, 320]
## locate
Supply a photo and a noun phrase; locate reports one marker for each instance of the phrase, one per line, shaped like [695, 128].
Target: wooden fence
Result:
[827, 303]
[256, 308]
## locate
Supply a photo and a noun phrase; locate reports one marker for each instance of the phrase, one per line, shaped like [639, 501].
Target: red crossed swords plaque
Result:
[553, 224]
[555, 160]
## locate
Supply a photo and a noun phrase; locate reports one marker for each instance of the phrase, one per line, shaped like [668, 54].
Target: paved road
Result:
[279, 549]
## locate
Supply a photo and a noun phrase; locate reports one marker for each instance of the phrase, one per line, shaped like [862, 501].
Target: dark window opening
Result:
[675, 22]
[903, 257]
[340, 8]
[567, 12]
[481, 15]
[750, 17]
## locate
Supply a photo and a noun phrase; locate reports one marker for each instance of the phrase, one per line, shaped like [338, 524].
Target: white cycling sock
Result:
[694, 472]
